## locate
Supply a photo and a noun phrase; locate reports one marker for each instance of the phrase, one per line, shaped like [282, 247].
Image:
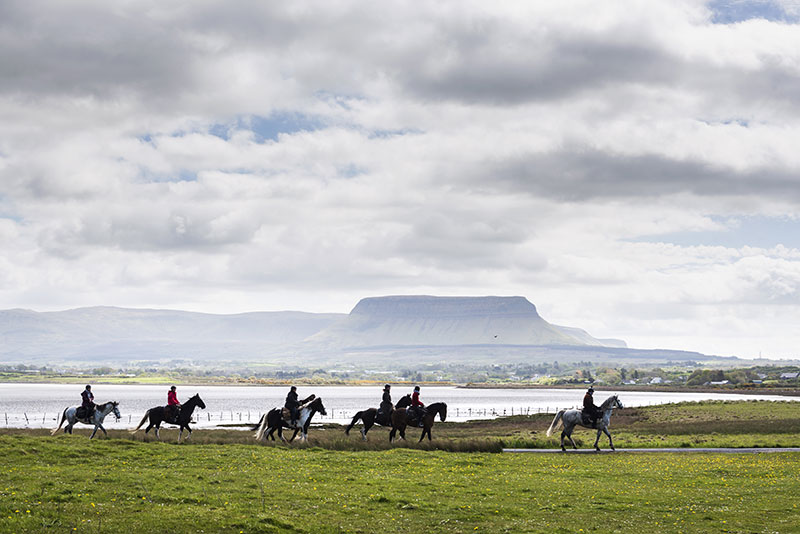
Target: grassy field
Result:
[224, 482]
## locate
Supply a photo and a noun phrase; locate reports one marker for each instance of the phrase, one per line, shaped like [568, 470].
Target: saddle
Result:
[416, 415]
[171, 414]
[587, 419]
[83, 412]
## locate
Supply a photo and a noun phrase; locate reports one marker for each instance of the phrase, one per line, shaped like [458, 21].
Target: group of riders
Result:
[416, 411]
[172, 410]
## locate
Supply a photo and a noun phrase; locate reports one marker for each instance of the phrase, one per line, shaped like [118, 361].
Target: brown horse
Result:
[400, 420]
[370, 417]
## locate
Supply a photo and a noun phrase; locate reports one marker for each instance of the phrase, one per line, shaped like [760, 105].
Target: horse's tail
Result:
[63, 418]
[262, 427]
[146, 415]
[555, 422]
[356, 417]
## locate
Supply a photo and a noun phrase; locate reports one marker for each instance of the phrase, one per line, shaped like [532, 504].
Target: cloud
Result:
[304, 155]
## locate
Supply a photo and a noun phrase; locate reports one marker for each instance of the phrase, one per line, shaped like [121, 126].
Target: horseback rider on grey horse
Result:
[590, 411]
[87, 403]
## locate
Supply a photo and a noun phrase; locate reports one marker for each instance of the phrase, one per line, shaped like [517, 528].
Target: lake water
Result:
[38, 405]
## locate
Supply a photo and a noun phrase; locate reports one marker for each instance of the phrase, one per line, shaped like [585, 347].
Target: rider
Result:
[417, 406]
[386, 403]
[87, 401]
[292, 404]
[173, 405]
[589, 407]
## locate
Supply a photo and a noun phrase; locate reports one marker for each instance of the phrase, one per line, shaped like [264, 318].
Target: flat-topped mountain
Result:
[430, 321]
[378, 332]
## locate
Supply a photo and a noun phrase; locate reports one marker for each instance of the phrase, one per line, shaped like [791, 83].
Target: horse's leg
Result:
[610, 441]
[94, 431]
[103, 429]
[180, 434]
[280, 433]
[568, 432]
[596, 441]
[296, 430]
[190, 433]
[392, 433]
[158, 431]
[365, 429]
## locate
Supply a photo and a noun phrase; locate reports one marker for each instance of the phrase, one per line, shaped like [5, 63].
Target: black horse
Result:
[157, 416]
[370, 417]
[401, 419]
[275, 419]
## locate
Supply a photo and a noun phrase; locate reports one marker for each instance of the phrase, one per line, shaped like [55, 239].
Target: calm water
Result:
[42, 403]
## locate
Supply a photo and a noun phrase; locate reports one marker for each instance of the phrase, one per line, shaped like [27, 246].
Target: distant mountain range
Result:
[378, 332]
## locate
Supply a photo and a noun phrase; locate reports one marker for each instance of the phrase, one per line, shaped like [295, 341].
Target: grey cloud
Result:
[83, 50]
[583, 174]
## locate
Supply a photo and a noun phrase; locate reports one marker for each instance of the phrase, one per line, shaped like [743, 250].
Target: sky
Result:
[630, 167]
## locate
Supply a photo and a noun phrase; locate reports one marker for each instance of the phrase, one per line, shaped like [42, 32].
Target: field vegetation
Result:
[223, 481]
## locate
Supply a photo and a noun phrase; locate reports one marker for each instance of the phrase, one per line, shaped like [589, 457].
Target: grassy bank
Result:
[68, 484]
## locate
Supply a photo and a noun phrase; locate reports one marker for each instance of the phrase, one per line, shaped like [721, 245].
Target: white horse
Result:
[70, 415]
[570, 418]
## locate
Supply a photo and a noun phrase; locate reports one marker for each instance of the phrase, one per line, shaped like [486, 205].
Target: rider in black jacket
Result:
[292, 404]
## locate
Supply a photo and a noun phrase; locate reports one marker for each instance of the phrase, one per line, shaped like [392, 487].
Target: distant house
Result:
[789, 376]
[656, 380]
[718, 383]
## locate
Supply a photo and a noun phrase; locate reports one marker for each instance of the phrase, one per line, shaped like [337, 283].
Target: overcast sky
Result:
[631, 167]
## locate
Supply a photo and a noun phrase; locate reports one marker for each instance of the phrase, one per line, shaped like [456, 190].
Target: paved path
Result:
[728, 450]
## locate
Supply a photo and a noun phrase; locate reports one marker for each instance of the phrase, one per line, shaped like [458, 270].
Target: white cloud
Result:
[304, 155]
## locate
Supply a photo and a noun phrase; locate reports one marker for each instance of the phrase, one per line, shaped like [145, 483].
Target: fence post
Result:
[26, 418]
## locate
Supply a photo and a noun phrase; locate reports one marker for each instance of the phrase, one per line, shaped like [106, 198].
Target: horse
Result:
[570, 418]
[400, 420]
[157, 416]
[70, 415]
[369, 417]
[274, 420]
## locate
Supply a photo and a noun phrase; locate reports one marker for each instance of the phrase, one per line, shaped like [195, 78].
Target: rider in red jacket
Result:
[417, 406]
[172, 402]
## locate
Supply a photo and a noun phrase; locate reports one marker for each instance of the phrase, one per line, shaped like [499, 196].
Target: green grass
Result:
[224, 482]
[68, 484]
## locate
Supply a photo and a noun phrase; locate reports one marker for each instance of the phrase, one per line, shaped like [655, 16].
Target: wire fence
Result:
[245, 417]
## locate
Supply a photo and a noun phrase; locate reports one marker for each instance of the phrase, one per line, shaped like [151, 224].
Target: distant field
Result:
[224, 482]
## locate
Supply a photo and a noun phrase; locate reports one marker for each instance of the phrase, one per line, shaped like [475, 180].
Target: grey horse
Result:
[100, 412]
[570, 418]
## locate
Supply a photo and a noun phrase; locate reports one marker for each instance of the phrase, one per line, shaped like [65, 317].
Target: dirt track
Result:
[724, 450]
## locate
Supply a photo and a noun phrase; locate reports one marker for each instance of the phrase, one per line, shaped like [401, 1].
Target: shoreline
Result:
[742, 390]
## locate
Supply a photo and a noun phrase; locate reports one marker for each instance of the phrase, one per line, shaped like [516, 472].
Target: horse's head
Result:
[611, 402]
[198, 401]
[404, 401]
[317, 406]
[442, 411]
[115, 409]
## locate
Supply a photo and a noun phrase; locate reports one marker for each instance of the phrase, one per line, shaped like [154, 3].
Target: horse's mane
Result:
[313, 400]
[607, 402]
[105, 404]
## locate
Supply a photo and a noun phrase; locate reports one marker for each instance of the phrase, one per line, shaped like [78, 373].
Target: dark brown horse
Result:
[158, 415]
[401, 419]
[370, 417]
